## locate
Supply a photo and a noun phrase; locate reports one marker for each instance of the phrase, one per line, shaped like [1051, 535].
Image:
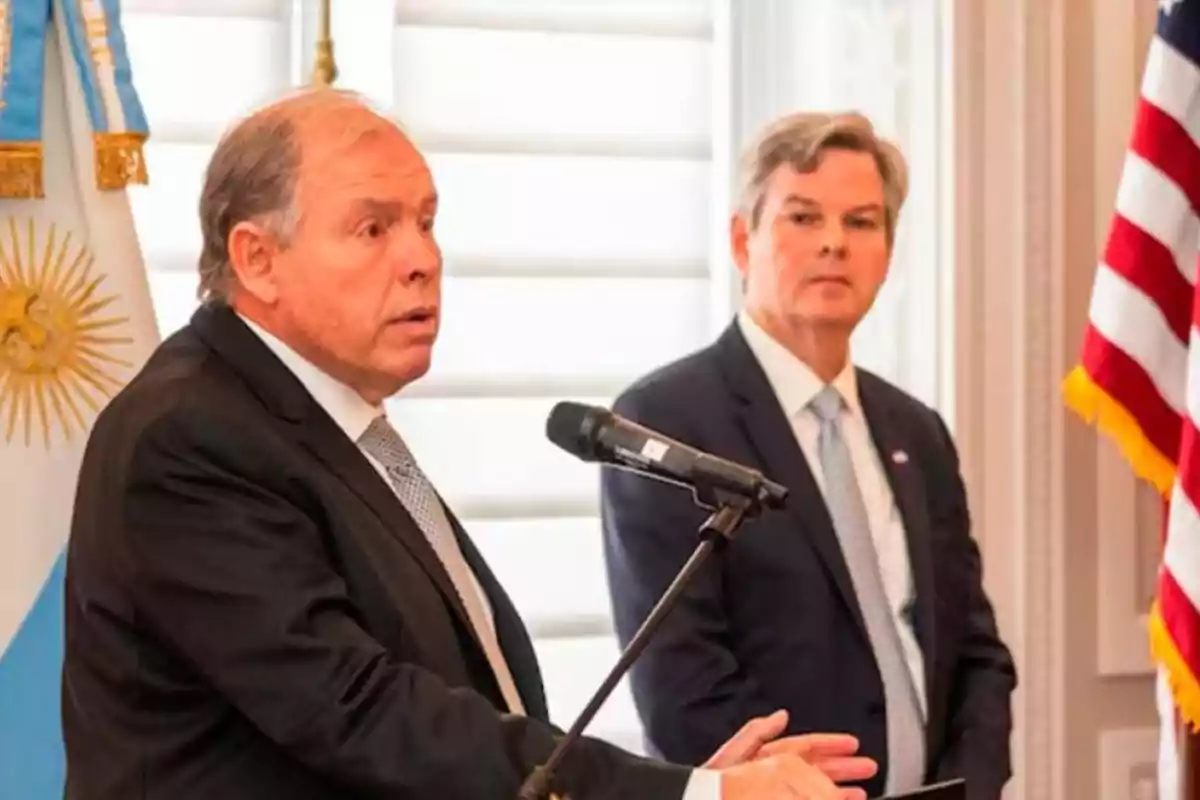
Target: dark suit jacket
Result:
[251, 613]
[773, 621]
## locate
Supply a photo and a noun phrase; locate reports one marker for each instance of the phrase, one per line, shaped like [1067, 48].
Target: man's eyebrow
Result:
[376, 205]
[866, 208]
[391, 208]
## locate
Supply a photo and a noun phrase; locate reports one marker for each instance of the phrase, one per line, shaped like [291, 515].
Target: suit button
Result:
[876, 708]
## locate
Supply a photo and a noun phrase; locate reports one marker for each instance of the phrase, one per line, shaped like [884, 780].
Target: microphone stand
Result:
[728, 512]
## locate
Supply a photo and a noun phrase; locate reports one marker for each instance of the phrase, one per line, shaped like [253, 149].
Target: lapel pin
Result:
[900, 457]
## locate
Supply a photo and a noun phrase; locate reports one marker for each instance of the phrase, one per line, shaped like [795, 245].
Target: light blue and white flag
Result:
[75, 324]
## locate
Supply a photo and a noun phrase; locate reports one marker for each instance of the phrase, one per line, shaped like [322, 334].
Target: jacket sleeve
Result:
[979, 726]
[235, 578]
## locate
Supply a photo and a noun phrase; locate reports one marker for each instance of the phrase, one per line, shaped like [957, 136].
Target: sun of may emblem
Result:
[56, 334]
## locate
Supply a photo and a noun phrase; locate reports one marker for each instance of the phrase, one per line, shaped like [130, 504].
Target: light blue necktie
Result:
[905, 730]
[384, 444]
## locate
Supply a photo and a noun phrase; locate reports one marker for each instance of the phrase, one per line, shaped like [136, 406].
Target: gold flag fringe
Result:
[120, 160]
[21, 170]
[1096, 407]
[1184, 686]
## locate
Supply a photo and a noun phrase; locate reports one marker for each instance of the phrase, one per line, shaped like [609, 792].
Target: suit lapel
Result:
[771, 433]
[514, 638]
[283, 394]
[328, 443]
[908, 489]
[331, 446]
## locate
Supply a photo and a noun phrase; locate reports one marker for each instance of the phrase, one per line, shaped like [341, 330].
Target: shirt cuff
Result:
[704, 784]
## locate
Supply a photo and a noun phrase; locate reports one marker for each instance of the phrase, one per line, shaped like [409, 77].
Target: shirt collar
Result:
[345, 406]
[794, 382]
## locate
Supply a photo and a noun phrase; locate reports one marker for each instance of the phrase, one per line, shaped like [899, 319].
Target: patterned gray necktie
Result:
[384, 444]
[905, 730]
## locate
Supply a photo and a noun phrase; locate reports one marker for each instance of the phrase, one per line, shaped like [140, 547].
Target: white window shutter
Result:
[198, 65]
[571, 144]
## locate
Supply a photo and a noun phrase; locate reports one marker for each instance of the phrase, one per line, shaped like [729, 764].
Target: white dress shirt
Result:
[346, 407]
[795, 385]
[353, 414]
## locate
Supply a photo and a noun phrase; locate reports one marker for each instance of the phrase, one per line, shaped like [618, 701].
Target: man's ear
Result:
[252, 251]
[739, 243]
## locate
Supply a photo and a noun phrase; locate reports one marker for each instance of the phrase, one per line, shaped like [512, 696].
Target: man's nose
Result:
[833, 242]
[420, 256]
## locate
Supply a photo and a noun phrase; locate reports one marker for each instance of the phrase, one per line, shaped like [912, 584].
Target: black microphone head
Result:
[573, 427]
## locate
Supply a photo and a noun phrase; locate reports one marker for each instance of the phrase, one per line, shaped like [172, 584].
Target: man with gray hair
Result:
[265, 597]
[860, 606]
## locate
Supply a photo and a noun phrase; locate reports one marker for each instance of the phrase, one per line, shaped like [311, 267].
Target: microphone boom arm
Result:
[721, 526]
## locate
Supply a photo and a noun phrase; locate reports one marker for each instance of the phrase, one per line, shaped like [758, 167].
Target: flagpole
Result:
[324, 68]
[1188, 746]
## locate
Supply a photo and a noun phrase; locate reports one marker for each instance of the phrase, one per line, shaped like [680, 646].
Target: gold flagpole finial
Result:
[324, 68]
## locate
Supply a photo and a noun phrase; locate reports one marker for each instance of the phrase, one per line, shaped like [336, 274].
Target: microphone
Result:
[597, 434]
[731, 491]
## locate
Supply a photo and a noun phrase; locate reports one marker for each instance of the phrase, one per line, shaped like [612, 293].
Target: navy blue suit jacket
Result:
[772, 621]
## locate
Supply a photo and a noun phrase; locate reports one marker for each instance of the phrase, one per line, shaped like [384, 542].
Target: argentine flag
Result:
[75, 324]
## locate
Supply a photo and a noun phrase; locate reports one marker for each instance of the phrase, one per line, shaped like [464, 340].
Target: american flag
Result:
[1139, 375]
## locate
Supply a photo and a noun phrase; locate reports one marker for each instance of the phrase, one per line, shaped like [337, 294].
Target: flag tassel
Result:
[1184, 686]
[1096, 407]
[120, 160]
[21, 170]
